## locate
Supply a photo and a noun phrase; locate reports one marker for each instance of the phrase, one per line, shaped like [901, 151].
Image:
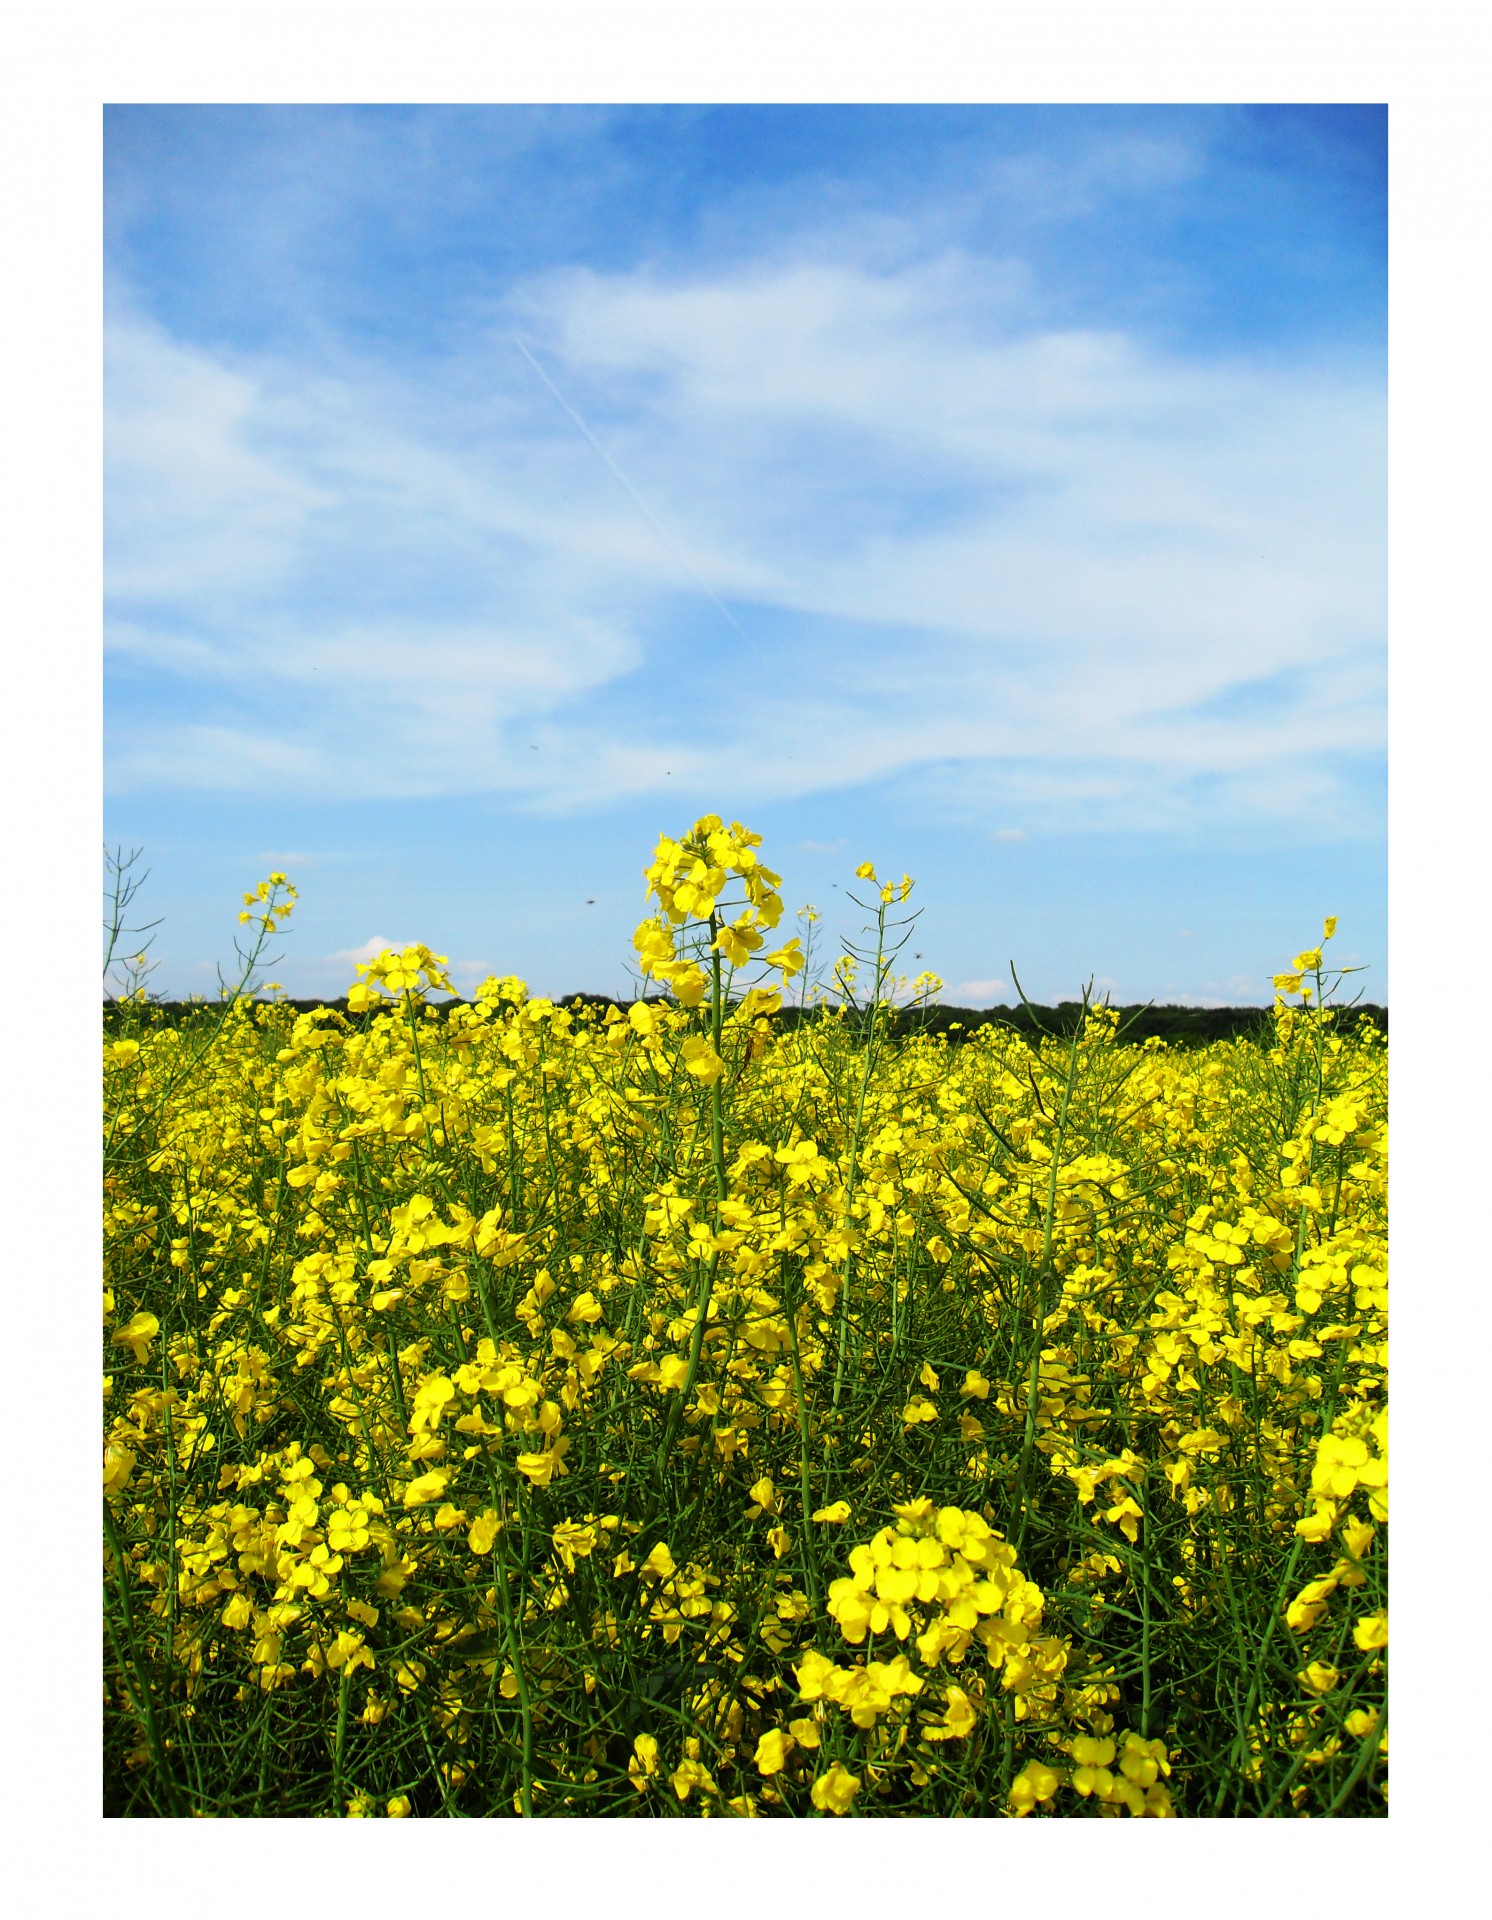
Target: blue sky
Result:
[995, 493]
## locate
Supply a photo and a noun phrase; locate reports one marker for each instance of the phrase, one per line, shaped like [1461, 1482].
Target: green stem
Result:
[344, 1690]
[140, 1686]
[1033, 1382]
[810, 1549]
[853, 1170]
[515, 1654]
[711, 1266]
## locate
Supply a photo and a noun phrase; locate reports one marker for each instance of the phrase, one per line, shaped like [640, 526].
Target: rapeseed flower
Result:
[836, 1791]
[773, 1751]
[534, 1358]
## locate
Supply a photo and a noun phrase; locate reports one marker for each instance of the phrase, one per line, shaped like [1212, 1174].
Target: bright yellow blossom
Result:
[835, 1791]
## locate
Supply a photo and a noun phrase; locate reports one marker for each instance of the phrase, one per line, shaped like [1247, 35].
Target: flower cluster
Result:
[667, 1408]
[688, 878]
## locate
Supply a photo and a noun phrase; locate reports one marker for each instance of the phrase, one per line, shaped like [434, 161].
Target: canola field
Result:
[516, 1410]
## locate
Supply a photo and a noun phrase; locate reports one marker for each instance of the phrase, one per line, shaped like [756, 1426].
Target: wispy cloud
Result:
[1050, 570]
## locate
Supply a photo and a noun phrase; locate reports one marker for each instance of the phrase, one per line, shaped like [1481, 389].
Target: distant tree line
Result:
[1178, 1026]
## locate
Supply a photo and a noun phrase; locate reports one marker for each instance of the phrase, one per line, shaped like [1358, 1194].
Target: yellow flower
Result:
[788, 959]
[737, 944]
[137, 1334]
[660, 1562]
[119, 1464]
[1143, 1761]
[815, 1676]
[654, 943]
[687, 982]
[958, 1719]
[802, 1162]
[642, 1768]
[238, 1613]
[483, 1531]
[701, 1059]
[1032, 1785]
[772, 1751]
[542, 1467]
[347, 1528]
[573, 1541]
[834, 1791]
[688, 1775]
[399, 1808]
[1317, 1526]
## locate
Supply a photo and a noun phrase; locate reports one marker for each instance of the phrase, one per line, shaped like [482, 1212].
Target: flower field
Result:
[514, 1409]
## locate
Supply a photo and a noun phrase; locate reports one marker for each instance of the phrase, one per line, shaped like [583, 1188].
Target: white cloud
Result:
[1051, 572]
[374, 945]
[191, 505]
[975, 993]
[217, 757]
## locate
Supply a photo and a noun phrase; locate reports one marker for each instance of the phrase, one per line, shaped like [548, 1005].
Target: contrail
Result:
[636, 498]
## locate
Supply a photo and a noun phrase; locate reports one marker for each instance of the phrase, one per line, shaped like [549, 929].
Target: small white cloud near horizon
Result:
[1011, 834]
[370, 949]
[980, 992]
